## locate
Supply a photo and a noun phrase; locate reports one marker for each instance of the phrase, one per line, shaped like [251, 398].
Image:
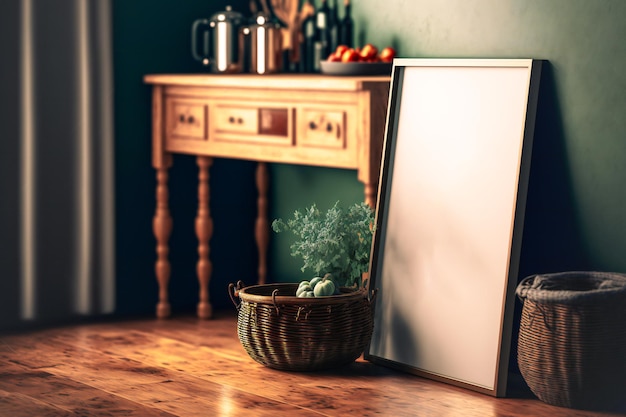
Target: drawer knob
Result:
[329, 127]
[312, 125]
[231, 119]
[188, 119]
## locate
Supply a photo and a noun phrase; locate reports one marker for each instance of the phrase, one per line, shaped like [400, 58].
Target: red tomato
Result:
[387, 54]
[334, 58]
[350, 55]
[340, 50]
[368, 51]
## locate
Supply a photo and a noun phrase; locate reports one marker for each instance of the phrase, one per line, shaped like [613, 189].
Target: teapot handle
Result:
[194, 41]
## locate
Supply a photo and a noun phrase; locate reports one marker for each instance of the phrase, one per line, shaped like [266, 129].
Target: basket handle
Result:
[233, 291]
[274, 294]
[523, 287]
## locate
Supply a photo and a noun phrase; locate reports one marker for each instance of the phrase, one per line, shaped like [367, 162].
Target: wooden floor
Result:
[188, 367]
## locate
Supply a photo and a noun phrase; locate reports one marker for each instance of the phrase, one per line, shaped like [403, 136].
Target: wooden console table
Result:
[287, 118]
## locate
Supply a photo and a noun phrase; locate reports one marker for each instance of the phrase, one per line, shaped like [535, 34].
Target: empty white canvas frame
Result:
[449, 217]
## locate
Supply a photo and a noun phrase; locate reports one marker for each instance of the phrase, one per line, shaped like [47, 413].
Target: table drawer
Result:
[251, 123]
[235, 119]
[186, 119]
[322, 128]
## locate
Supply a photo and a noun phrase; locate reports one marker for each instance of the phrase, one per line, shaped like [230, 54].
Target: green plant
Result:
[336, 242]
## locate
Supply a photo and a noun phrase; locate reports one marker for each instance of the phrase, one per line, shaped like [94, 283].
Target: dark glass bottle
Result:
[309, 34]
[346, 26]
[333, 27]
[322, 18]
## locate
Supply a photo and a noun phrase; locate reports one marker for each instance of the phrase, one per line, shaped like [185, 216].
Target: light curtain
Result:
[57, 198]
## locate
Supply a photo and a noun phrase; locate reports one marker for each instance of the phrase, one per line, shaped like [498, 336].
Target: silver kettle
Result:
[219, 40]
[266, 44]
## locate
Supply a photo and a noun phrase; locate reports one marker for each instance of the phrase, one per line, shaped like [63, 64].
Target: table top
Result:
[275, 81]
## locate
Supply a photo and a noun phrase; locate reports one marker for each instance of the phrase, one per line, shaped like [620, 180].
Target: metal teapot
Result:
[219, 41]
[266, 44]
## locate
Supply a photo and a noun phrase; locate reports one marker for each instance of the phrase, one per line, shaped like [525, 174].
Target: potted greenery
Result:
[281, 330]
[334, 244]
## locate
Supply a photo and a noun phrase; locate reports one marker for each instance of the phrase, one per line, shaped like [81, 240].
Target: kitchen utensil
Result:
[293, 25]
[219, 41]
[265, 44]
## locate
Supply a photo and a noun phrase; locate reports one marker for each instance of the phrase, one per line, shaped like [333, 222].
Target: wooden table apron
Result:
[304, 119]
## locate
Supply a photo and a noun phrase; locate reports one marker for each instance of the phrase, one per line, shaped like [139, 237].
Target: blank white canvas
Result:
[442, 277]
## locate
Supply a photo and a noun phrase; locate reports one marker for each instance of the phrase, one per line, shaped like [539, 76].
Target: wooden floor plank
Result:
[18, 404]
[187, 367]
[59, 395]
[324, 392]
[174, 391]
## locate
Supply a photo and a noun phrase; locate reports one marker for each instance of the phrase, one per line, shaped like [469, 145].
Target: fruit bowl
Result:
[355, 68]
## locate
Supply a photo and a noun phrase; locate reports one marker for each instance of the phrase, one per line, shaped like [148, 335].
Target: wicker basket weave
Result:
[285, 332]
[572, 340]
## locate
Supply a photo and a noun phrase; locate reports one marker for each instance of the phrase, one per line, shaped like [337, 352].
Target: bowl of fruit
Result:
[368, 60]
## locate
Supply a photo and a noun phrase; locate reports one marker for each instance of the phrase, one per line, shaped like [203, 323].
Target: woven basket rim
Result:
[251, 294]
[573, 287]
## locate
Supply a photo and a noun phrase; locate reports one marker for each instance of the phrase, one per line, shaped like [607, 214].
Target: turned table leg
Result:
[262, 224]
[370, 194]
[204, 230]
[162, 227]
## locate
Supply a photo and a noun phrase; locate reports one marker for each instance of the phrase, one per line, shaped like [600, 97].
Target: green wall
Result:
[577, 205]
[153, 36]
[575, 214]
[576, 210]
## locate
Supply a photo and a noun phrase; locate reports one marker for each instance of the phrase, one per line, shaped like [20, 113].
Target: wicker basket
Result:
[285, 332]
[572, 340]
